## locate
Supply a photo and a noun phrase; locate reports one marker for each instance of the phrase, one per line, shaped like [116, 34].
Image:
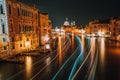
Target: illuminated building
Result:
[66, 23]
[45, 28]
[66, 26]
[4, 37]
[99, 27]
[106, 26]
[18, 27]
[69, 26]
[115, 28]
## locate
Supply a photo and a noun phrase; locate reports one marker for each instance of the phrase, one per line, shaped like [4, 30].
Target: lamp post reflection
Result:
[102, 51]
[83, 41]
[0, 76]
[93, 47]
[73, 42]
[27, 45]
[60, 51]
[47, 63]
[28, 62]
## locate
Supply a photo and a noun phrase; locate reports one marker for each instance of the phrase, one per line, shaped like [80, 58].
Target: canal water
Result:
[108, 67]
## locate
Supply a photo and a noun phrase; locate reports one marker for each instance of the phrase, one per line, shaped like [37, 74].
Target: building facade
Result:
[110, 27]
[45, 28]
[18, 27]
[115, 28]
[98, 27]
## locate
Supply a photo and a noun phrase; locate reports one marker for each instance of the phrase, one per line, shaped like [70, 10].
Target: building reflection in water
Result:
[28, 62]
[102, 51]
[0, 76]
[47, 63]
[92, 42]
[60, 51]
[73, 43]
[83, 41]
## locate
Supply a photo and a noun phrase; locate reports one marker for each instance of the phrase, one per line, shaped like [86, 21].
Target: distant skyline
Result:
[80, 11]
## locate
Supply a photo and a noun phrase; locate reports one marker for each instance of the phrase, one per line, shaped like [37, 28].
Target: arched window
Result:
[9, 9]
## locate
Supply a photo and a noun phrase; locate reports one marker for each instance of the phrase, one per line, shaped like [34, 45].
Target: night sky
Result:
[81, 11]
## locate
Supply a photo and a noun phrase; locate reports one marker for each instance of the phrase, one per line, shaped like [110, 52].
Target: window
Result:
[20, 38]
[12, 39]
[9, 9]
[114, 29]
[1, 9]
[27, 39]
[11, 27]
[4, 40]
[18, 11]
[13, 47]
[36, 16]
[3, 28]
[31, 42]
[5, 48]
[20, 45]
[19, 28]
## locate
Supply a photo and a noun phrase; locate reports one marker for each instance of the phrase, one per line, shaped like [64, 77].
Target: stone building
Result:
[99, 27]
[18, 27]
[45, 27]
[115, 28]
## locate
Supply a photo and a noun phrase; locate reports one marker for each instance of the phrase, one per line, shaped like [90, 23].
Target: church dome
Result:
[66, 23]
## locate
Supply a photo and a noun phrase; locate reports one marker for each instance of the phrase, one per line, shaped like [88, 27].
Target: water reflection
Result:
[48, 60]
[0, 76]
[28, 63]
[114, 47]
[47, 63]
[83, 41]
[102, 51]
[108, 67]
[118, 44]
[92, 49]
[60, 51]
[73, 42]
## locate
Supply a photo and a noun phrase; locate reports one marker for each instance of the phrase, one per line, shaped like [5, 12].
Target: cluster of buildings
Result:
[22, 27]
[105, 27]
[69, 26]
